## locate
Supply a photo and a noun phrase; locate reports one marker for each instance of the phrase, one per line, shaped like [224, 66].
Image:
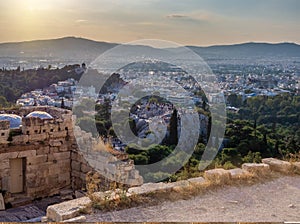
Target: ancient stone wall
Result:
[44, 146]
[52, 159]
[109, 166]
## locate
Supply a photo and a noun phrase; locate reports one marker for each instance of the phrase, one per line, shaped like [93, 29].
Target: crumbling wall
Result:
[52, 157]
[45, 147]
[110, 167]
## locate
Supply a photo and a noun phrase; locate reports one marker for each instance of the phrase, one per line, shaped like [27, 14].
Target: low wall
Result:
[71, 209]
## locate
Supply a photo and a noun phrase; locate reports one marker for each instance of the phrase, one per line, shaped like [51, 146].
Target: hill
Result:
[73, 49]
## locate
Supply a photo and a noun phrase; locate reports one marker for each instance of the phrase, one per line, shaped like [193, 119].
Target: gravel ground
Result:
[274, 201]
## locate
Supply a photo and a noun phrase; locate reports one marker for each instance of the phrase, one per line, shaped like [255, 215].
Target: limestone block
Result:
[38, 137]
[58, 134]
[20, 139]
[238, 173]
[278, 165]
[4, 125]
[55, 143]
[9, 155]
[37, 159]
[81, 218]
[197, 181]
[28, 153]
[62, 155]
[75, 165]
[75, 156]
[63, 148]
[148, 188]
[2, 204]
[219, 176]
[64, 178]
[135, 174]
[43, 150]
[5, 183]
[38, 170]
[44, 219]
[296, 167]
[4, 164]
[79, 194]
[257, 168]
[85, 168]
[67, 210]
[135, 182]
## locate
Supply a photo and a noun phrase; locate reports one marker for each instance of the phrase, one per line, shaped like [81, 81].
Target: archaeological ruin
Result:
[40, 156]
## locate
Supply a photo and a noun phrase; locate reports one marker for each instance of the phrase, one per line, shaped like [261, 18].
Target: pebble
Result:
[292, 206]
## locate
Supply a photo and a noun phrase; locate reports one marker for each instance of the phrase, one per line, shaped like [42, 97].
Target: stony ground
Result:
[273, 201]
[32, 212]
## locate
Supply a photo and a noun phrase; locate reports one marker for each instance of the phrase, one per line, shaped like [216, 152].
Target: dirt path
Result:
[274, 201]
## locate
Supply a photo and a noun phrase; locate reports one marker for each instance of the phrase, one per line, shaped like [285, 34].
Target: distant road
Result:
[274, 201]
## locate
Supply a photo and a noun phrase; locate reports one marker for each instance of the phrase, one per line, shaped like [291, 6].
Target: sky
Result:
[188, 22]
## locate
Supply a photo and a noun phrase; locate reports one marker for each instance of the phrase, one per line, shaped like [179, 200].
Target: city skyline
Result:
[190, 22]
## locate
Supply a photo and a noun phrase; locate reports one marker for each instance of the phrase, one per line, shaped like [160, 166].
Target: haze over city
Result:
[189, 22]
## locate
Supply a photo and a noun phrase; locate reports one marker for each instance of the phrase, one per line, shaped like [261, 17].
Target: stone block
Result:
[62, 155]
[41, 159]
[75, 165]
[239, 173]
[257, 168]
[219, 176]
[58, 134]
[81, 218]
[63, 148]
[43, 150]
[279, 165]
[67, 210]
[296, 167]
[85, 168]
[197, 181]
[2, 204]
[20, 139]
[79, 194]
[55, 143]
[9, 155]
[28, 153]
[148, 188]
[37, 137]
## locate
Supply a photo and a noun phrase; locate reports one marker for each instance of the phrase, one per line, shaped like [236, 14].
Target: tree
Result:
[173, 128]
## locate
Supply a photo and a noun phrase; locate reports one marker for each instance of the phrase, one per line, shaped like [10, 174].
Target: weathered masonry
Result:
[40, 157]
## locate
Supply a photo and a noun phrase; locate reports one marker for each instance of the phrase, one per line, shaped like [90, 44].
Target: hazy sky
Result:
[197, 22]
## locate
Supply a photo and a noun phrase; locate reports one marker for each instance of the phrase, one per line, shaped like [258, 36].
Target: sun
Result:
[34, 5]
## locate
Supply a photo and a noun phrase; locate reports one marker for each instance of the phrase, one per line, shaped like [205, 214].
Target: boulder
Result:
[278, 165]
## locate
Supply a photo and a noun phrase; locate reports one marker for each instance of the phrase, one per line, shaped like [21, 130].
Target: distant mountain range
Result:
[72, 47]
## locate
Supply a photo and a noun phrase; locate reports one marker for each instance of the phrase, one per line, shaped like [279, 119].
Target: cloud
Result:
[81, 21]
[177, 16]
[197, 16]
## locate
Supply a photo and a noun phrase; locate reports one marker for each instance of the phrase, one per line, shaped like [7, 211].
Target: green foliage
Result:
[13, 83]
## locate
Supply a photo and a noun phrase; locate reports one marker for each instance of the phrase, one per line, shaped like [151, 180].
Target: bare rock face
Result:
[258, 169]
[279, 165]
